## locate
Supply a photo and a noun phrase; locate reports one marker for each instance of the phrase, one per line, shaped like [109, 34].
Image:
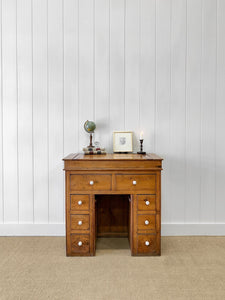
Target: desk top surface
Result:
[113, 156]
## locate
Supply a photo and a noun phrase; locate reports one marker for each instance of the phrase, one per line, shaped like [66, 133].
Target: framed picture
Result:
[122, 141]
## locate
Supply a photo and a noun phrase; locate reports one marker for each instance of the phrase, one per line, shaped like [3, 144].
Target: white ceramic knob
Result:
[79, 202]
[79, 222]
[147, 202]
[134, 182]
[79, 243]
[91, 182]
[146, 222]
[147, 243]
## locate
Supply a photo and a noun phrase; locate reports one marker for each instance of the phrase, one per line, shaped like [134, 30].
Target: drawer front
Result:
[136, 183]
[80, 243]
[147, 244]
[146, 202]
[79, 202]
[79, 222]
[90, 182]
[146, 222]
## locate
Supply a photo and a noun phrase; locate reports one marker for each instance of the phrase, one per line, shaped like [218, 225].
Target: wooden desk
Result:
[113, 195]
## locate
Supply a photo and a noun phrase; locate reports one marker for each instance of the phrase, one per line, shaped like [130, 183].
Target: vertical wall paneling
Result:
[55, 112]
[147, 72]
[156, 66]
[101, 71]
[25, 110]
[163, 98]
[10, 106]
[86, 67]
[220, 113]
[193, 111]
[116, 80]
[1, 128]
[132, 59]
[71, 111]
[208, 100]
[178, 110]
[40, 111]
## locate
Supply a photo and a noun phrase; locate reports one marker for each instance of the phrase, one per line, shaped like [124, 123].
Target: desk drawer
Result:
[80, 244]
[146, 202]
[147, 244]
[136, 183]
[79, 222]
[79, 202]
[146, 222]
[90, 182]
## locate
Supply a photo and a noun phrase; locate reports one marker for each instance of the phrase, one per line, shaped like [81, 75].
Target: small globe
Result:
[89, 126]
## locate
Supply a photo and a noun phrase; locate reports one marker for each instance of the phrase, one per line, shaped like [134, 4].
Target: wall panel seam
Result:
[94, 81]
[47, 34]
[17, 120]
[109, 115]
[156, 103]
[78, 69]
[77, 72]
[168, 187]
[139, 64]
[216, 87]
[2, 122]
[200, 206]
[124, 67]
[186, 110]
[63, 95]
[32, 91]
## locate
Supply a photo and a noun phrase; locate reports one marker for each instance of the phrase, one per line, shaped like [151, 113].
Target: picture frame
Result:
[122, 141]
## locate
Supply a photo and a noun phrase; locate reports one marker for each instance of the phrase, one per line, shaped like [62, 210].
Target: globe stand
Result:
[91, 145]
[89, 127]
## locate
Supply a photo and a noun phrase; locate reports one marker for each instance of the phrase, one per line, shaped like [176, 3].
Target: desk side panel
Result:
[68, 241]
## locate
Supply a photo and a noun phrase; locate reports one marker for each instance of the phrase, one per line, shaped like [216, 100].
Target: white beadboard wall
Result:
[151, 65]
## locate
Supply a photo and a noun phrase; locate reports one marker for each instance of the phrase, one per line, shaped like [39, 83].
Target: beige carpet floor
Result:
[37, 268]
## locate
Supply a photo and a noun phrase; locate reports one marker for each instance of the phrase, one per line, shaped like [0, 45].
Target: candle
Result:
[141, 135]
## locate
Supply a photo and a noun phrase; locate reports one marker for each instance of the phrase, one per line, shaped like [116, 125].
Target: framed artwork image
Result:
[122, 141]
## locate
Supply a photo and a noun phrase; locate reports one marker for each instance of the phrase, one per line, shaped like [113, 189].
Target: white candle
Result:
[141, 135]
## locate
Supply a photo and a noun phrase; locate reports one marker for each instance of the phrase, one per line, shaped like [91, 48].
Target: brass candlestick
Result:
[141, 147]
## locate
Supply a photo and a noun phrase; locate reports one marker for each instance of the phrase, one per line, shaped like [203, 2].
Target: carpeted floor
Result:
[37, 268]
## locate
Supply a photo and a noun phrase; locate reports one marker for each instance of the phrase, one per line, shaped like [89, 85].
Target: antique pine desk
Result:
[113, 195]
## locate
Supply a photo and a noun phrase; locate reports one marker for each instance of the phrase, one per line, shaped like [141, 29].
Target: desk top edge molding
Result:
[113, 156]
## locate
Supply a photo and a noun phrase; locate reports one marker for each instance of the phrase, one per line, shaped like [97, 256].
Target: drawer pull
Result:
[79, 222]
[79, 243]
[91, 182]
[146, 222]
[134, 182]
[147, 243]
[79, 202]
[147, 202]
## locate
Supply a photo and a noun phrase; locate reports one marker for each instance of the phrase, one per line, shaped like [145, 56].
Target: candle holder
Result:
[141, 147]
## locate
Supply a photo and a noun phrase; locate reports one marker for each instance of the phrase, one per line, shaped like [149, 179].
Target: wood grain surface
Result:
[113, 200]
